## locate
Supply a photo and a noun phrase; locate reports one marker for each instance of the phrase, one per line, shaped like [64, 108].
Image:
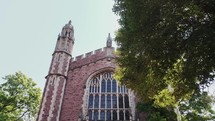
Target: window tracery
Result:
[107, 100]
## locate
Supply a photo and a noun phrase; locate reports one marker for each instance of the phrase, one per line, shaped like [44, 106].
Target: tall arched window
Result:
[107, 99]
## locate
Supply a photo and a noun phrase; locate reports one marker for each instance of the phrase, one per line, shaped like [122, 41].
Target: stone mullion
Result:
[93, 106]
[100, 83]
[99, 91]
[118, 110]
[99, 111]
[105, 114]
[94, 88]
[124, 113]
[117, 98]
[123, 101]
[92, 113]
[111, 114]
[105, 95]
[111, 99]
[105, 105]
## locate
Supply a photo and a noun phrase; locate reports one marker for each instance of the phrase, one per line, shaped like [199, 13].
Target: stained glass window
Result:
[109, 103]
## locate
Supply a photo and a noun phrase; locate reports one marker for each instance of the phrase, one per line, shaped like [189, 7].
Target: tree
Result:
[19, 98]
[166, 44]
[198, 108]
[155, 113]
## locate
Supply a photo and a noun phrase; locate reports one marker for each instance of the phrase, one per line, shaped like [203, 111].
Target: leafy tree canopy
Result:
[198, 108]
[166, 47]
[155, 113]
[19, 98]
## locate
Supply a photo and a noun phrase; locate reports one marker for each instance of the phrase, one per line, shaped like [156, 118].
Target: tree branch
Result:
[21, 115]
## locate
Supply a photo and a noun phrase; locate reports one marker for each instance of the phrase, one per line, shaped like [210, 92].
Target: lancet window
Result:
[107, 99]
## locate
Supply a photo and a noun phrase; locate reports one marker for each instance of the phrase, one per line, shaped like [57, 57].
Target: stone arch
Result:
[87, 87]
[101, 74]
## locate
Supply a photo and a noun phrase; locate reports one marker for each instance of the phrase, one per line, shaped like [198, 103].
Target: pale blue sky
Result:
[29, 30]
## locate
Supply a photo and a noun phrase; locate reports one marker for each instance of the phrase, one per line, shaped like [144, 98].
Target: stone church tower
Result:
[83, 88]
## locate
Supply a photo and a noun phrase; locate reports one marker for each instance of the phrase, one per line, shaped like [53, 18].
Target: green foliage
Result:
[164, 98]
[19, 98]
[165, 43]
[156, 117]
[155, 113]
[198, 108]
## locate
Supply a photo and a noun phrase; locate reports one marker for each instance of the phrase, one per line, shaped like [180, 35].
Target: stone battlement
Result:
[91, 57]
[86, 55]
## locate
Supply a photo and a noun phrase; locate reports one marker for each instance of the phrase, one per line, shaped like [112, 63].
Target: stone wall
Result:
[80, 70]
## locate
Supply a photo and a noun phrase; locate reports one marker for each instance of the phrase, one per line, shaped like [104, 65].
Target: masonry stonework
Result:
[56, 79]
[65, 95]
[79, 72]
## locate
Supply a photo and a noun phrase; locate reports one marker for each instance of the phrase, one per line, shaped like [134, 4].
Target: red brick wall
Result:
[78, 74]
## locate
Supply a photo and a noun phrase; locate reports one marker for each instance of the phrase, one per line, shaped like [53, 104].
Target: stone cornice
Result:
[61, 52]
[51, 74]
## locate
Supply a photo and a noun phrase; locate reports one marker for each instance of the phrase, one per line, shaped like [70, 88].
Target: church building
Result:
[83, 88]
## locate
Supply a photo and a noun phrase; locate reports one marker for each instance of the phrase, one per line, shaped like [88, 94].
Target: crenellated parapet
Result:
[92, 57]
